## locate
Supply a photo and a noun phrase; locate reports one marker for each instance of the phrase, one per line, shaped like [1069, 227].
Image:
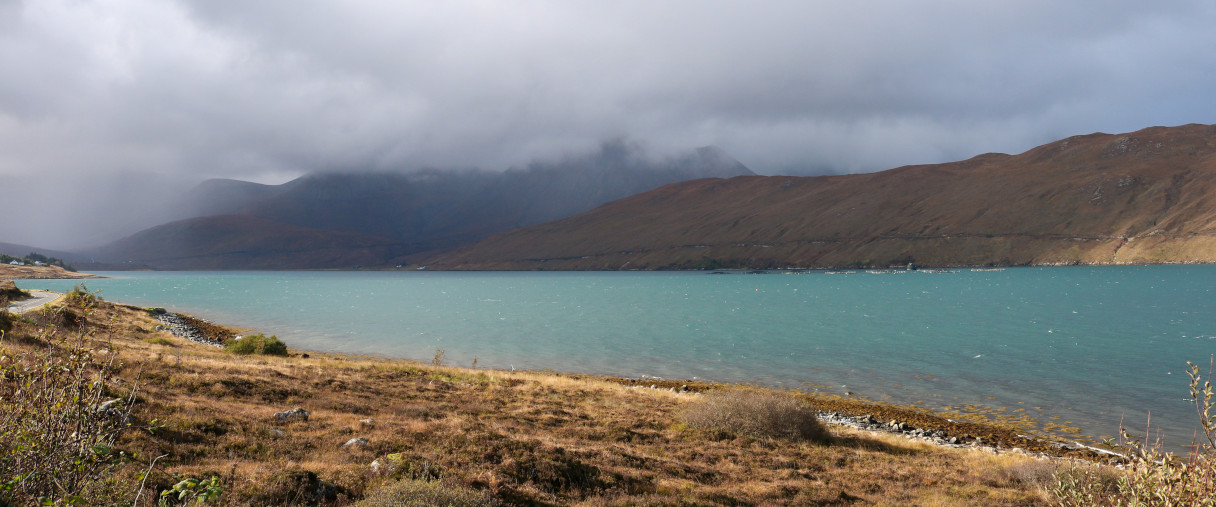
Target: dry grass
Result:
[426, 493]
[756, 413]
[518, 437]
[30, 272]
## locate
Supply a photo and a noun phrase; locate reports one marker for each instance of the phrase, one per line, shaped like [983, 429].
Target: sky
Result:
[119, 103]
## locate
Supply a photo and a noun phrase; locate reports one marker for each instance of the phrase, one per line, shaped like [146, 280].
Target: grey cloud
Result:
[265, 91]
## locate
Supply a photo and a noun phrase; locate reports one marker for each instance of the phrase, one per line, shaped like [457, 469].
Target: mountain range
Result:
[343, 220]
[1143, 197]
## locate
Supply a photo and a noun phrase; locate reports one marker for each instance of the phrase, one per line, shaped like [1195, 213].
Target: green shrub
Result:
[57, 428]
[190, 490]
[158, 340]
[81, 297]
[425, 493]
[257, 343]
[762, 414]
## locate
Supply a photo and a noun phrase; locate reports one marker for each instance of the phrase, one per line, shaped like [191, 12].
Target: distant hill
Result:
[18, 250]
[1143, 197]
[235, 241]
[374, 219]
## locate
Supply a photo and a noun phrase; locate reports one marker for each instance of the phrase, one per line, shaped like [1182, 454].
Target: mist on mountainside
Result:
[394, 215]
[81, 213]
[57, 212]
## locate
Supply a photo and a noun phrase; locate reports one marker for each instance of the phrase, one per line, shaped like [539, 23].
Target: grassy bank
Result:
[202, 422]
[32, 272]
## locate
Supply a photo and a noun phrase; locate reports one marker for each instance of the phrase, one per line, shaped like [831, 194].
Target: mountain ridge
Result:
[1143, 197]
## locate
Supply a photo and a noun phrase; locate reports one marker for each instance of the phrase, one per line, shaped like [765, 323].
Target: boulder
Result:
[356, 443]
[295, 414]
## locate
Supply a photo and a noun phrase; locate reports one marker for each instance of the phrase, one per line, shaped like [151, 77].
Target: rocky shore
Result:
[191, 328]
[916, 424]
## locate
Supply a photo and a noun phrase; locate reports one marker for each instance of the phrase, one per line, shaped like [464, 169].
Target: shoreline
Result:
[273, 425]
[902, 420]
[946, 429]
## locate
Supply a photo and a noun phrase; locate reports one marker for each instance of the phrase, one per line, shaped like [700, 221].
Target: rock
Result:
[356, 442]
[278, 432]
[388, 464]
[953, 440]
[114, 410]
[367, 423]
[292, 415]
[174, 324]
[110, 407]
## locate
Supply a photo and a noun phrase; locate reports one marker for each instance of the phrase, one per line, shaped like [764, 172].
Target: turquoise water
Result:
[1089, 345]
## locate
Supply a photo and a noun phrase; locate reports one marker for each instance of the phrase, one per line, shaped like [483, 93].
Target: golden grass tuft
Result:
[426, 493]
[756, 413]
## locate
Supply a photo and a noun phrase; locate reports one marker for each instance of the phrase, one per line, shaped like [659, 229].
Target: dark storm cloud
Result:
[267, 90]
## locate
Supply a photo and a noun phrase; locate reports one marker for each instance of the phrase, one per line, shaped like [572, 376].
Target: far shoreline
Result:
[733, 270]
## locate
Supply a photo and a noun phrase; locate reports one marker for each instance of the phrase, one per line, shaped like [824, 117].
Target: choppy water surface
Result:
[1084, 345]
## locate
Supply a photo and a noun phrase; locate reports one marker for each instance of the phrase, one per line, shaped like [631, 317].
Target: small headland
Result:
[33, 272]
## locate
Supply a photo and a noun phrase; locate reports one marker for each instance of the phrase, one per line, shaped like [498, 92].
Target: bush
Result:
[80, 296]
[1153, 476]
[422, 493]
[296, 487]
[762, 414]
[257, 343]
[57, 429]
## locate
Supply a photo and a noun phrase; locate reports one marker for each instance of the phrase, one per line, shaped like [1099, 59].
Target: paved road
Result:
[41, 297]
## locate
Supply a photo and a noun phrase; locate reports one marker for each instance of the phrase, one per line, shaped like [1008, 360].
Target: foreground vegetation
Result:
[97, 406]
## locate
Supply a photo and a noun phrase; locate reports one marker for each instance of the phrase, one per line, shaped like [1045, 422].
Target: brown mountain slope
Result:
[1144, 197]
[240, 242]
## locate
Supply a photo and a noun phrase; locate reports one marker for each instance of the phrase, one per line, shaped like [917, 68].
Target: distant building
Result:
[17, 263]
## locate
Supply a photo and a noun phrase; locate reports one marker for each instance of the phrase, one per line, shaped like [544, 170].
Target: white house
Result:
[17, 263]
